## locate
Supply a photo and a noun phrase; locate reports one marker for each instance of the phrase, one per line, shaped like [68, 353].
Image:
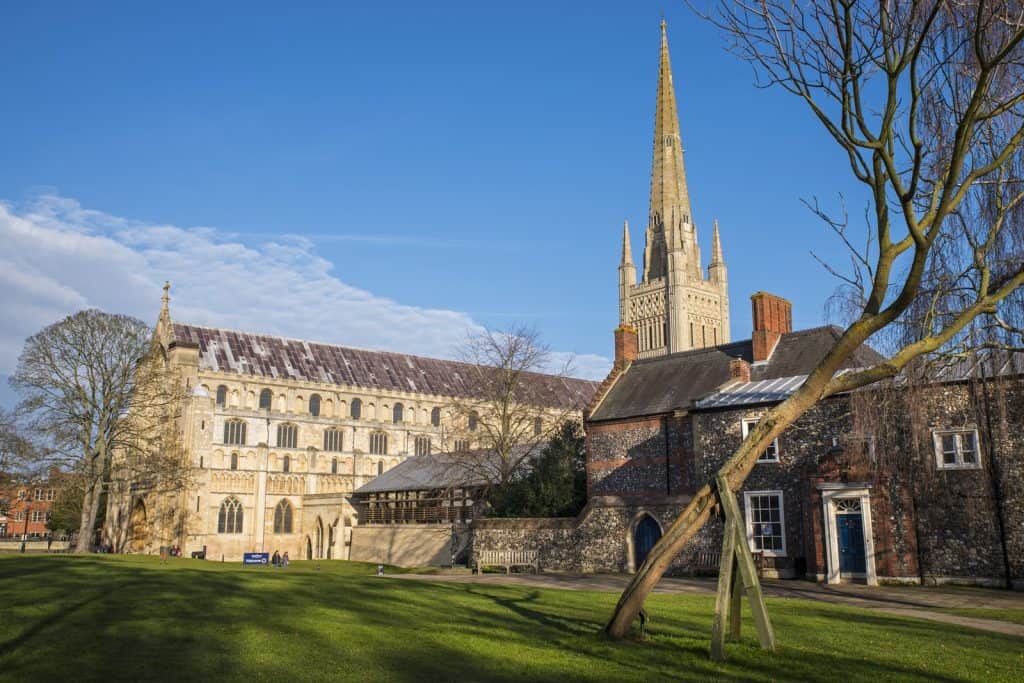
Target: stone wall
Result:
[639, 457]
[599, 539]
[412, 545]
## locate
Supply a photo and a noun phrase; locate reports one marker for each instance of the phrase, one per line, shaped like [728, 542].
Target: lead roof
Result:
[258, 355]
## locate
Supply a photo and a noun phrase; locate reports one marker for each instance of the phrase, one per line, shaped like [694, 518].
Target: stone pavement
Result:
[907, 601]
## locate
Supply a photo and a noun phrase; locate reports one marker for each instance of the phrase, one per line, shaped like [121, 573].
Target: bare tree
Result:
[927, 103]
[92, 385]
[16, 452]
[511, 410]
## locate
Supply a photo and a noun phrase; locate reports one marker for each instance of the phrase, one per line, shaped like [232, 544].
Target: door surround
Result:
[830, 495]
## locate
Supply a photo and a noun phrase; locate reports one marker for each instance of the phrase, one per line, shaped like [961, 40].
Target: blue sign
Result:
[256, 558]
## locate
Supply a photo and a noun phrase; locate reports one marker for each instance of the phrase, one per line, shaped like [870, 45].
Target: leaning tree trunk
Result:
[696, 514]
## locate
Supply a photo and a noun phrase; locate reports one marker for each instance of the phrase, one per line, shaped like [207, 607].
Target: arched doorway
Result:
[309, 549]
[645, 535]
[138, 528]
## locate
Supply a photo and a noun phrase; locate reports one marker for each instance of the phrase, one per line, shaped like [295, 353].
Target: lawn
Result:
[121, 618]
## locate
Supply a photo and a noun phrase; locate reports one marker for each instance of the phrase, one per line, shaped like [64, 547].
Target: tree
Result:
[66, 513]
[926, 101]
[511, 410]
[555, 484]
[15, 450]
[94, 385]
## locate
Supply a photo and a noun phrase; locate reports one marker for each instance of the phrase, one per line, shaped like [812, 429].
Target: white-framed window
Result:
[770, 454]
[957, 449]
[37, 516]
[766, 522]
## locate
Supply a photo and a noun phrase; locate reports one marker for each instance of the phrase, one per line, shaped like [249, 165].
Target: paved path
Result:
[906, 601]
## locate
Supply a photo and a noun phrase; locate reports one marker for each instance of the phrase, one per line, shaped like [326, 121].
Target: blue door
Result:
[646, 535]
[851, 543]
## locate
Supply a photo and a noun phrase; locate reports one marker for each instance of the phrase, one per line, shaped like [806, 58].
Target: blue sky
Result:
[468, 164]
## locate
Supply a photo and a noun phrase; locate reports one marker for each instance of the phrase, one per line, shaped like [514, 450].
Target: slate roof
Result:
[260, 355]
[439, 471]
[661, 385]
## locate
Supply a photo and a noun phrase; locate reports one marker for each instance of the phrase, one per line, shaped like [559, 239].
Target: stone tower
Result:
[674, 307]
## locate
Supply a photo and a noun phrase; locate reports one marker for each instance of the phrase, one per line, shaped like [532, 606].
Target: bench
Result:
[507, 559]
[706, 561]
[709, 562]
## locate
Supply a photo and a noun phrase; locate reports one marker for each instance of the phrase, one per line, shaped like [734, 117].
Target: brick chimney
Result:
[739, 370]
[625, 345]
[773, 317]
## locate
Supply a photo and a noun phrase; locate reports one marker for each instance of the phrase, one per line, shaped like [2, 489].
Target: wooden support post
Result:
[736, 606]
[737, 573]
[723, 601]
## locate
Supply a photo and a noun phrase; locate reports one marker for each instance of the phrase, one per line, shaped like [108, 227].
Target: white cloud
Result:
[59, 257]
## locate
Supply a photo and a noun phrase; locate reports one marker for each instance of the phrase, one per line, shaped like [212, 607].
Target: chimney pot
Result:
[739, 370]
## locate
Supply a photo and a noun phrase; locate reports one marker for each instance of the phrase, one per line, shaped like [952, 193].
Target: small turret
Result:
[627, 273]
[716, 269]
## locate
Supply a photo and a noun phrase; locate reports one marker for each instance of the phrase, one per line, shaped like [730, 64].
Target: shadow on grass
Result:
[133, 619]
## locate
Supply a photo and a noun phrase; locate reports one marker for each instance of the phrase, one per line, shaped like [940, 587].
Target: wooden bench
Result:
[706, 561]
[507, 559]
[709, 561]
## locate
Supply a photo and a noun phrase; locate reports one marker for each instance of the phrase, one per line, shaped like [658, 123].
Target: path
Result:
[905, 601]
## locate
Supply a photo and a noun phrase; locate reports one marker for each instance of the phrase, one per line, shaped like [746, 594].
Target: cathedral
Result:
[675, 306]
[278, 433]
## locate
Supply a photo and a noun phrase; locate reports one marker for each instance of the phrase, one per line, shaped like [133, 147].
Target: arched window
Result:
[378, 443]
[222, 396]
[538, 426]
[234, 432]
[435, 417]
[334, 465]
[283, 518]
[234, 461]
[422, 445]
[357, 409]
[266, 397]
[286, 464]
[314, 405]
[333, 440]
[380, 467]
[287, 436]
[229, 521]
[461, 445]
[474, 419]
[397, 413]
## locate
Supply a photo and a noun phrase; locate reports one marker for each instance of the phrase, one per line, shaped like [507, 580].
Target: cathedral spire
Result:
[627, 248]
[670, 200]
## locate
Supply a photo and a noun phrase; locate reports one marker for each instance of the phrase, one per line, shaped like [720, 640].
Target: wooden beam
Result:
[738, 549]
[723, 601]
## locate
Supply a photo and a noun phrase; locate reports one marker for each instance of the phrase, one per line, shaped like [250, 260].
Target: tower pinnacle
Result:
[627, 248]
[716, 246]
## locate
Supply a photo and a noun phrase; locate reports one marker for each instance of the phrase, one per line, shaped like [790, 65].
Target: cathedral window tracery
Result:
[287, 436]
[229, 521]
[283, 517]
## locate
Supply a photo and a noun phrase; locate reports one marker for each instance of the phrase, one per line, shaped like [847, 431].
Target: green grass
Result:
[123, 618]
[1015, 616]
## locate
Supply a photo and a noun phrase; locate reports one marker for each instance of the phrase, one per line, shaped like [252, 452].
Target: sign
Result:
[256, 558]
